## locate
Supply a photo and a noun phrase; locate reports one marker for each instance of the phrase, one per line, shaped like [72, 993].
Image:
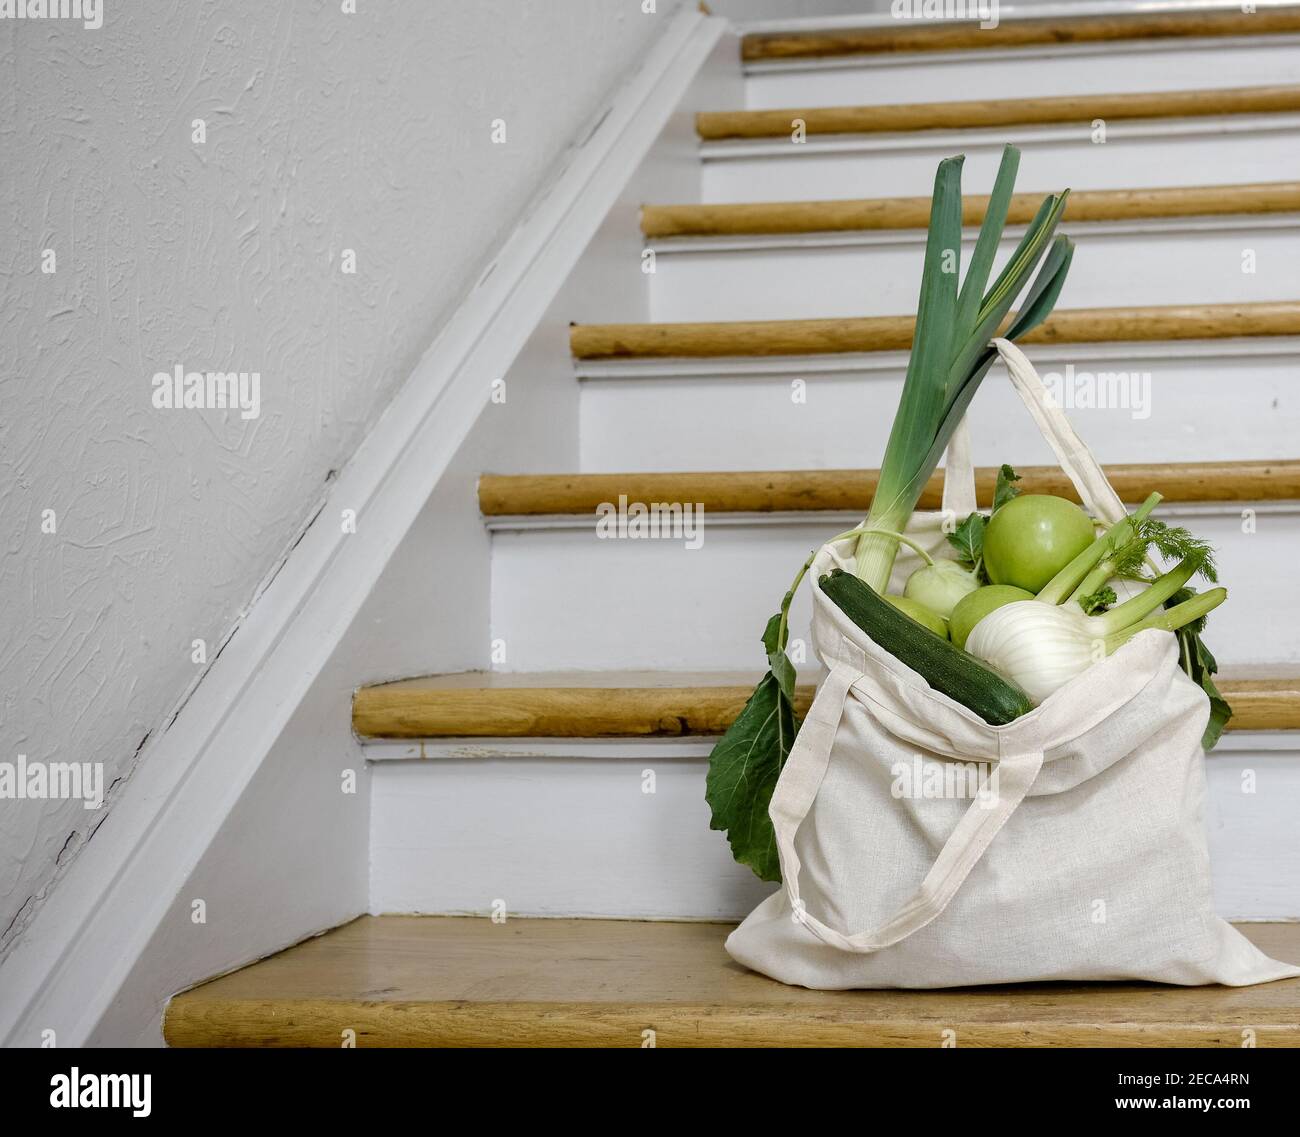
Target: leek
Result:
[951, 353]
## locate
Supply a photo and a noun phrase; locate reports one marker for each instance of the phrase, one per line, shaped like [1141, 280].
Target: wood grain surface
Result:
[617, 705]
[447, 982]
[968, 35]
[976, 114]
[885, 213]
[750, 338]
[726, 491]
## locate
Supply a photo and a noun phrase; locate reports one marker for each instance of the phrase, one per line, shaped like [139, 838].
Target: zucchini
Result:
[947, 668]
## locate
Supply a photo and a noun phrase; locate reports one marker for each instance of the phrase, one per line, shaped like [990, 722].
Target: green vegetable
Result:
[1201, 666]
[1005, 488]
[1043, 643]
[1098, 601]
[1102, 554]
[923, 615]
[1120, 552]
[1032, 537]
[971, 609]
[936, 586]
[939, 586]
[746, 763]
[747, 760]
[968, 540]
[946, 668]
[951, 352]
[951, 355]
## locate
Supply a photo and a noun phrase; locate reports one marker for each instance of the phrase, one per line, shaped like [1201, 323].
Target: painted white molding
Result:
[845, 362]
[1007, 13]
[1253, 741]
[68, 967]
[721, 150]
[603, 749]
[915, 238]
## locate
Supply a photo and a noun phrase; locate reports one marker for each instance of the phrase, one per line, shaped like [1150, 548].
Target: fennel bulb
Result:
[1041, 646]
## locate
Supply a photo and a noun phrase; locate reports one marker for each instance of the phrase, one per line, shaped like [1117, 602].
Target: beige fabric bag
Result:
[1078, 851]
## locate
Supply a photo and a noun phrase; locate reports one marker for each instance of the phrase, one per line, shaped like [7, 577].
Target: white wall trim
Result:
[1007, 13]
[83, 942]
[1242, 741]
[854, 238]
[604, 749]
[943, 140]
[855, 362]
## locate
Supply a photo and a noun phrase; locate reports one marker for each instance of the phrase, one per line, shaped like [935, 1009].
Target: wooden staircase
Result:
[547, 732]
[407, 981]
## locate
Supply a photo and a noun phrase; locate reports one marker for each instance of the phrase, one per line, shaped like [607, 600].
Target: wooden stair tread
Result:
[664, 704]
[967, 35]
[760, 491]
[750, 338]
[891, 213]
[977, 114]
[446, 981]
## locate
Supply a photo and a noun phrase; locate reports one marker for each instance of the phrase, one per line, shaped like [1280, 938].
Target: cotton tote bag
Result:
[921, 847]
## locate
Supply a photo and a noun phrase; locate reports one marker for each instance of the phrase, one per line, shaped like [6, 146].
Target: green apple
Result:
[921, 614]
[974, 606]
[1032, 537]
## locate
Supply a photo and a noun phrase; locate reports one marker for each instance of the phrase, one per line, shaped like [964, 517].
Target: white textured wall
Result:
[325, 131]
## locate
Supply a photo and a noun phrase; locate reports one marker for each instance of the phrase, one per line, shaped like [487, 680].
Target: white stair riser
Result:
[880, 275]
[564, 598]
[700, 416]
[1177, 152]
[565, 837]
[1140, 66]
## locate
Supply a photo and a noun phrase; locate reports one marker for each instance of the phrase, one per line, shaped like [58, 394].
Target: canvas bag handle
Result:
[1016, 767]
[798, 786]
[1083, 470]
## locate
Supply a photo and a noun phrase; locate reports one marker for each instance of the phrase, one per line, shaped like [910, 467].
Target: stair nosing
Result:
[894, 214]
[620, 710]
[837, 335]
[802, 491]
[469, 980]
[1018, 32]
[907, 118]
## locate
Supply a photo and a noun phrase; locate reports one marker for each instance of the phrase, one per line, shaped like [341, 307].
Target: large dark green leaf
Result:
[746, 762]
[1201, 666]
